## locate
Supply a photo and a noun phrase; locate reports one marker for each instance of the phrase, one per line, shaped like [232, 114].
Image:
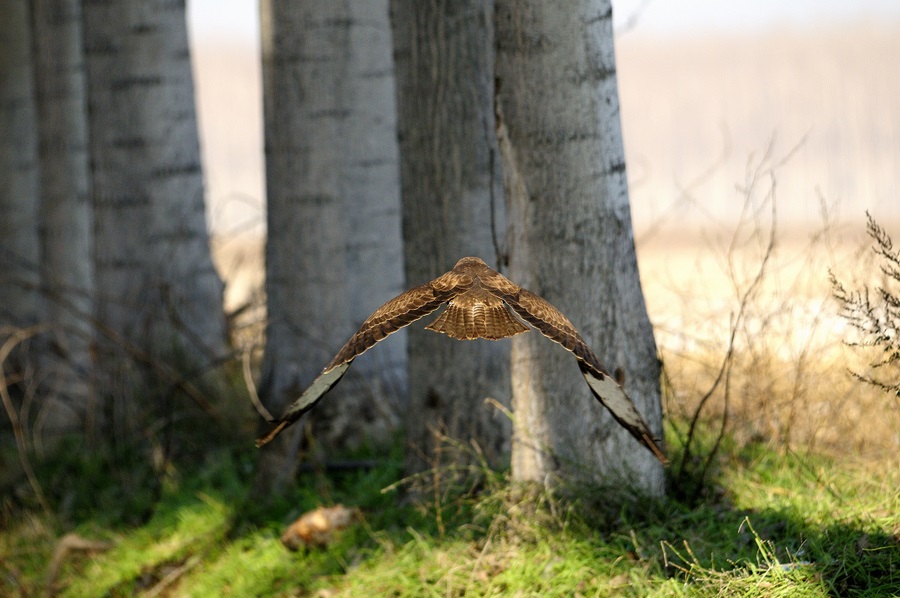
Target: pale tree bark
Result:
[572, 241]
[66, 226]
[452, 208]
[158, 291]
[333, 253]
[19, 247]
[189, 287]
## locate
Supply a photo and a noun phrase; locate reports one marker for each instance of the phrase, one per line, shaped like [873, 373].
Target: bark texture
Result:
[333, 253]
[452, 208]
[66, 225]
[157, 288]
[19, 246]
[572, 241]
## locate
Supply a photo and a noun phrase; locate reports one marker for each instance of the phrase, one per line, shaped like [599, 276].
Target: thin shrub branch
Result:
[745, 298]
[16, 337]
[876, 320]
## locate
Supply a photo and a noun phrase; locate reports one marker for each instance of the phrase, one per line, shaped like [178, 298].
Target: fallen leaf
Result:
[317, 528]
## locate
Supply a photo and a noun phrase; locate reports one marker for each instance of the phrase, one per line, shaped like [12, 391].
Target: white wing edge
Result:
[322, 384]
[614, 398]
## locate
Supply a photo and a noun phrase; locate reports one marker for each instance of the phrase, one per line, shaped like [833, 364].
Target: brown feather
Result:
[391, 317]
[477, 314]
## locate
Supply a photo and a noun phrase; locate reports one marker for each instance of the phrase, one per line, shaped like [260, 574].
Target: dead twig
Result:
[68, 544]
[745, 298]
[18, 336]
[172, 576]
[139, 355]
[251, 389]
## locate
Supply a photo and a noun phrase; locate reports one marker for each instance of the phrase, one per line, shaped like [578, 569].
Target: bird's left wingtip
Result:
[653, 445]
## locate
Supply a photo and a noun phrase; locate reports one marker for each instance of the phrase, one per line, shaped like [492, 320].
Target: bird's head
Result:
[468, 262]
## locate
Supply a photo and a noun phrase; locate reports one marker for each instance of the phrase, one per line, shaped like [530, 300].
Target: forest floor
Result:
[769, 522]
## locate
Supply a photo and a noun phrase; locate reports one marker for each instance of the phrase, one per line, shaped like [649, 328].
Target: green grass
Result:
[771, 524]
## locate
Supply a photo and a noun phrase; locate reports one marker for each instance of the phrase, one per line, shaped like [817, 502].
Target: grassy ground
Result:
[769, 524]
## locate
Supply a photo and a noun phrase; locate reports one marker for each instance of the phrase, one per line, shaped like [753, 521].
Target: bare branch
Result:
[16, 337]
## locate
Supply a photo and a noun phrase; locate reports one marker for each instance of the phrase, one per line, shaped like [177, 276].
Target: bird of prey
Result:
[482, 304]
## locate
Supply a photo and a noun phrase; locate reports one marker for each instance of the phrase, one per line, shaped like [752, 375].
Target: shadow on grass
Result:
[772, 547]
[770, 519]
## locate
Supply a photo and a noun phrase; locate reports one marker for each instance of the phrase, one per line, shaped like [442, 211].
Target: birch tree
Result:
[572, 240]
[65, 212]
[333, 252]
[451, 190]
[158, 291]
[19, 246]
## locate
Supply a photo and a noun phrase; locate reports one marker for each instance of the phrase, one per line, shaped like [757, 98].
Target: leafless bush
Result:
[749, 338]
[877, 321]
[10, 338]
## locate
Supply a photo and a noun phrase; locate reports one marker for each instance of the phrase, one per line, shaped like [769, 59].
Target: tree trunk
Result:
[158, 290]
[65, 213]
[19, 247]
[452, 208]
[188, 287]
[572, 241]
[333, 253]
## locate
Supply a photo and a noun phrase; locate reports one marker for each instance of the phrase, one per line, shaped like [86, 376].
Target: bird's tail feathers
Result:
[477, 321]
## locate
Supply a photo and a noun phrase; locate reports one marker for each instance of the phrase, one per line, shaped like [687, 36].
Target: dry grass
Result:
[789, 380]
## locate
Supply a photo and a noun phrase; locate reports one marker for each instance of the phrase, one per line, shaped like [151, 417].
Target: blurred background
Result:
[744, 122]
[705, 87]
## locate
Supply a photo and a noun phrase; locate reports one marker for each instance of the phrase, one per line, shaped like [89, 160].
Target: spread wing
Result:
[555, 326]
[387, 319]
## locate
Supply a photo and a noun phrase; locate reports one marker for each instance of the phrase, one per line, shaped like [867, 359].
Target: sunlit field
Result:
[695, 112]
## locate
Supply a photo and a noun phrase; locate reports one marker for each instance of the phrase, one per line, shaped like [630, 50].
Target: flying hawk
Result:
[482, 304]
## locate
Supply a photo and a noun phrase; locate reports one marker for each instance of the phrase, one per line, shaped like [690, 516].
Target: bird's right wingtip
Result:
[268, 437]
